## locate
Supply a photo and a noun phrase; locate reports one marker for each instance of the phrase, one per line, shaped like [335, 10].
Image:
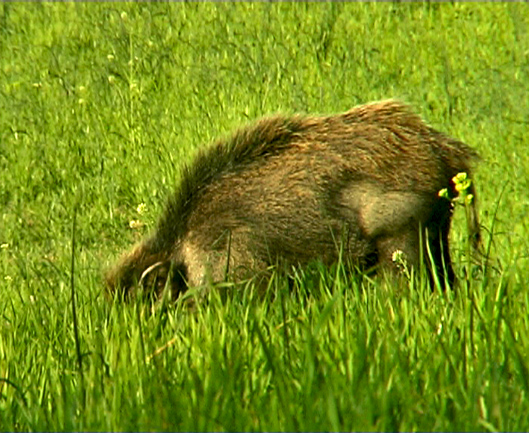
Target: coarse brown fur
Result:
[293, 189]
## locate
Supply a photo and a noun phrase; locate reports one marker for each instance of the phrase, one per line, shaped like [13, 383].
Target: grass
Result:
[101, 104]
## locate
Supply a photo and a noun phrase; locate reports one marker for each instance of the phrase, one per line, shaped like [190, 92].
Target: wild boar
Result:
[290, 189]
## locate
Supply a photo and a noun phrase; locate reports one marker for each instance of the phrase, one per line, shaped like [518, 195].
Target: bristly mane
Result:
[267, 137]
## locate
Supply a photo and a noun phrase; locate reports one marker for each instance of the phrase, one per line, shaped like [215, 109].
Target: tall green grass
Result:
[100, 104]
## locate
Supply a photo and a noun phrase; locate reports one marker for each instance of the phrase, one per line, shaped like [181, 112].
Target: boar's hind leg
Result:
[393, 219]
[435, 252]
[438, 256]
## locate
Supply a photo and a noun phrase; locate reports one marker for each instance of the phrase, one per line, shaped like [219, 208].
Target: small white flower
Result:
[141, 208]
[135, 224]
[397, 256]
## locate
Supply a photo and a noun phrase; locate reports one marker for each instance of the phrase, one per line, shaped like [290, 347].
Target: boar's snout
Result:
[141, 272]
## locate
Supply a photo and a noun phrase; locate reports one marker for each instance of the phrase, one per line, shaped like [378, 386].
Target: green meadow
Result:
[100, 106]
